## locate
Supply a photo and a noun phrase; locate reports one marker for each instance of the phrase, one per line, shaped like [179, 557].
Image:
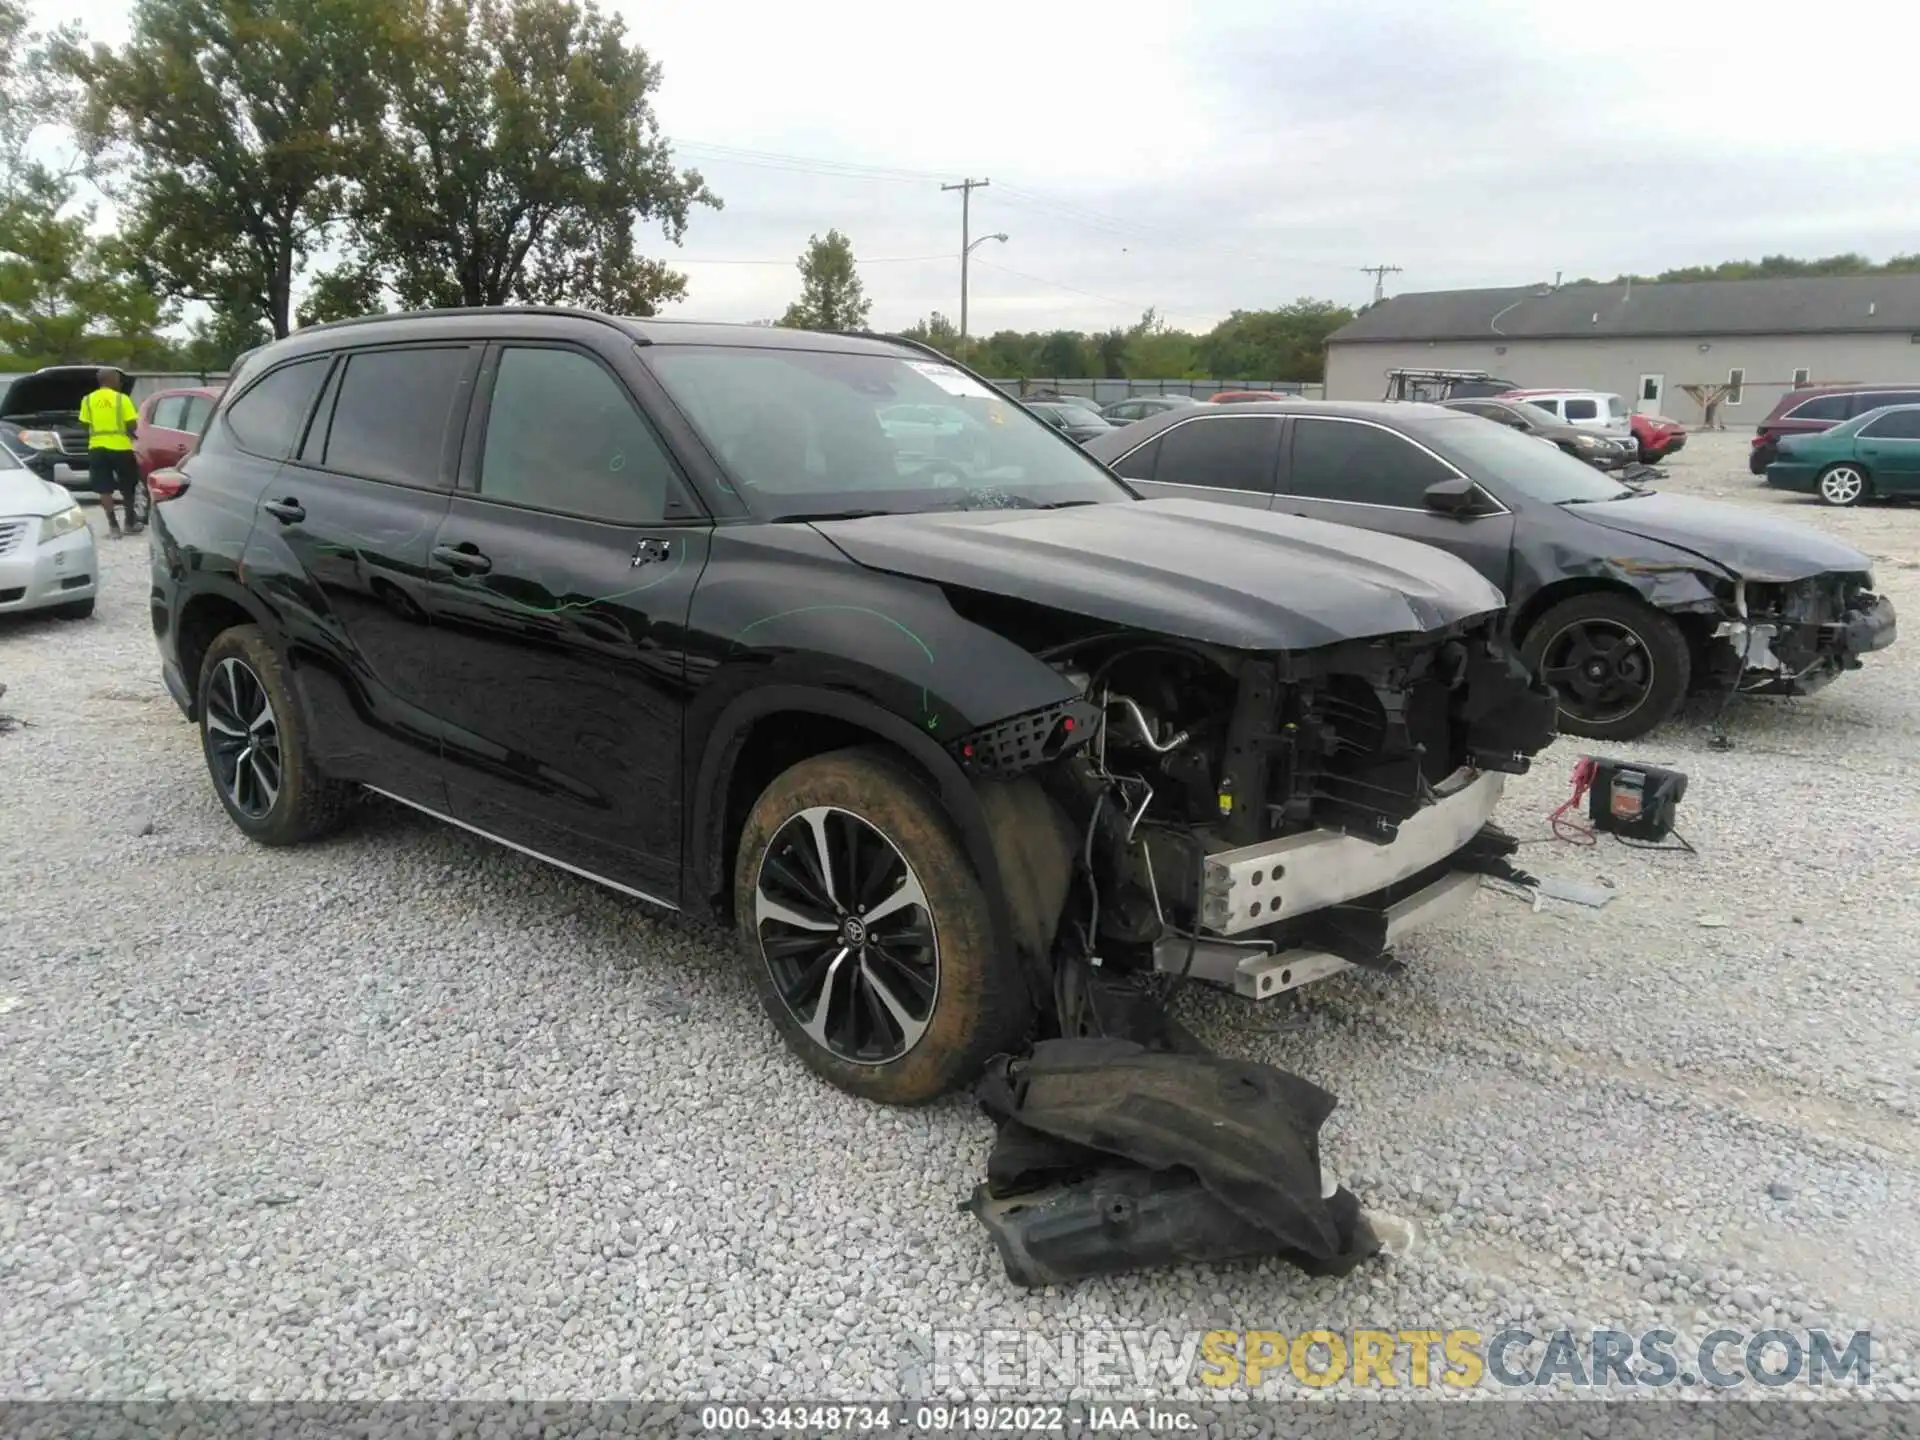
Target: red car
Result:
[170, 425]
[1658, 436]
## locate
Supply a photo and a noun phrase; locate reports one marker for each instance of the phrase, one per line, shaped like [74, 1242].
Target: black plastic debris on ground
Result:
[1113, 1157]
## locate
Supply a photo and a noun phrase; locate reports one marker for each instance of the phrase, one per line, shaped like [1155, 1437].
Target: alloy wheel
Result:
[847, 935]
[243, 739]
[1842, 485]
[1600, 669]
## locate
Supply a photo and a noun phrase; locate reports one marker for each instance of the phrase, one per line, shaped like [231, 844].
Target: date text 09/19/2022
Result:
[934, 1419]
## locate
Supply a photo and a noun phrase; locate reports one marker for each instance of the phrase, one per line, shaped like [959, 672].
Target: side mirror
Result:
[1458, 496]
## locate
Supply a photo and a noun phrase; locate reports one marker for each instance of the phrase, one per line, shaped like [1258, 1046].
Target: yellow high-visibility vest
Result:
[106, 414]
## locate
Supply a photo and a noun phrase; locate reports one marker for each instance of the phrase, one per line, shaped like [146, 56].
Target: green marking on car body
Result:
[925, 648]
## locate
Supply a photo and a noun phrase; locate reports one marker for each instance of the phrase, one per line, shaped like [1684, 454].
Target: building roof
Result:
[1828, 305]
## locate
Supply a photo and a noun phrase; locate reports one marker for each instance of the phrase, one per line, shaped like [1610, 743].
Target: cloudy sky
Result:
[1241, 153]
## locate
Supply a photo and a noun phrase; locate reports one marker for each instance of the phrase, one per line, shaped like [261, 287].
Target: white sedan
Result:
[47, 558]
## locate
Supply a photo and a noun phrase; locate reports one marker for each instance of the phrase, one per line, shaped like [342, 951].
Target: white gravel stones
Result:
[405, 1114]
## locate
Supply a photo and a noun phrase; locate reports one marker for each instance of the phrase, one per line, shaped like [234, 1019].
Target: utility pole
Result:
[1379, 274]
[966, 188]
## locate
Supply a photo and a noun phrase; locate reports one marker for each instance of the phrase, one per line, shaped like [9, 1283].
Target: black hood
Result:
[1754, 547]
[45, 392]
[1245, 579]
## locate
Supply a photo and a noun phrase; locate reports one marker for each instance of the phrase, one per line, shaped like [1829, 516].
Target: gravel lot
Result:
[406, 1114]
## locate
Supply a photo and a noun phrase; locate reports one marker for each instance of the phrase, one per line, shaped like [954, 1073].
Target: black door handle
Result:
[462, 557]
[288, 511]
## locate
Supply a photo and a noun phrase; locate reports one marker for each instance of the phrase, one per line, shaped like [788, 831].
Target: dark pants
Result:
[114, 470]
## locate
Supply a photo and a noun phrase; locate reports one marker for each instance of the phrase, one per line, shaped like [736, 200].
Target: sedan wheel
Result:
[1843, 485]
[1618, 666]
[142, 504]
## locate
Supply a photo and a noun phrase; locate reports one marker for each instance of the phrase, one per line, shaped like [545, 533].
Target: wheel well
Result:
[201, 623]
[1548, 596]
[772, 745]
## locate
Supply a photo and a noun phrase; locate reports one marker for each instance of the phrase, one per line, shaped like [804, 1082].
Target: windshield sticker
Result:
[953, 381]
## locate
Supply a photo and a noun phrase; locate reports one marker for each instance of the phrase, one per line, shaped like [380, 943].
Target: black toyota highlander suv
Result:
[951, 726]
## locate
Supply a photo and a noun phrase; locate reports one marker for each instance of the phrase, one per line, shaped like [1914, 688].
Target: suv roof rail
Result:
[573, 312]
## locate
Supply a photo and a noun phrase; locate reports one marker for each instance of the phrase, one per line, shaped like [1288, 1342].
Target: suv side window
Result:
[1821, 407]
[1221, 452]
[563, 434]
[1364, 464]
[1582, 410]
[1552, 407]
[1873, 400]
[268, 418]
[390, 414]
[167, 412]
[1900, 425]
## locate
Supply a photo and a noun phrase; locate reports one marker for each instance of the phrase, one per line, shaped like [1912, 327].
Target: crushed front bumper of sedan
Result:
[1796, 638]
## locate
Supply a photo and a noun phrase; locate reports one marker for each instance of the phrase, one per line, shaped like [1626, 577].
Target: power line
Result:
[1065, 210]
[1133, 305]
[792, 260]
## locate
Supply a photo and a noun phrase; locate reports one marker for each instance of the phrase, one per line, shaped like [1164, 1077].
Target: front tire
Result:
[1619, 667]
[867, 932]
[1843, 485]
[255, 742]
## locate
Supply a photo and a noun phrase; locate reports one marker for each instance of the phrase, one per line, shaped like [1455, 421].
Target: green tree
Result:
[341, 294]
[938, 331]
[1155, 351]
[519, 157]
[831, 297]
[229, 130]
[65, 296]
[1285, 344]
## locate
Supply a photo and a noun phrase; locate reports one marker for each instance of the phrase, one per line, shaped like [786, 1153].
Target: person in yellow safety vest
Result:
[111, 419]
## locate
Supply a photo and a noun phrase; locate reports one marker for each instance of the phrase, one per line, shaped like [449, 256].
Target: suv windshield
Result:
[1536, 468]
[821, 432]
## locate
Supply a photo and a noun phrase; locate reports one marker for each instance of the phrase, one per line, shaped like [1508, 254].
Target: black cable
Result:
[1685, 846]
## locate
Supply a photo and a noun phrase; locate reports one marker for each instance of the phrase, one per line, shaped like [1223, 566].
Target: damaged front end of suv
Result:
[1262, 820]
[1274, 750]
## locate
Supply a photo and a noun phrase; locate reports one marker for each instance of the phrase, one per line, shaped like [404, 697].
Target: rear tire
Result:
[254, 738]
[867, 932]
[1619, 667]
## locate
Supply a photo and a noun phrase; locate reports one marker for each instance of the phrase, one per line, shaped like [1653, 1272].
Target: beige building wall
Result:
[1356, 370]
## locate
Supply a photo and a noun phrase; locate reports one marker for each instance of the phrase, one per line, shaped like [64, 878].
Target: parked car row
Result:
[1623, 600]
[1843, 443]
[40, 424]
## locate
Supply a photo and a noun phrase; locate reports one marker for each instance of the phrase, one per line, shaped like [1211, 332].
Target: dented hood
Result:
[1219, 574]
[1754, 547]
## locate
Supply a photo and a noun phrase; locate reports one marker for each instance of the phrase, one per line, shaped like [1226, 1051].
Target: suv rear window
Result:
[269, 417]
[1820, 407]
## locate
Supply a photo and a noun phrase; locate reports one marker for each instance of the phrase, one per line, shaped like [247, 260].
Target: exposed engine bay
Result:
[1796, 637]
[1256, 821]
[1260, 821]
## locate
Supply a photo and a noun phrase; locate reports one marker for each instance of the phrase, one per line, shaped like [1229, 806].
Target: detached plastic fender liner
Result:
[1112, 1157]
[702, 869]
